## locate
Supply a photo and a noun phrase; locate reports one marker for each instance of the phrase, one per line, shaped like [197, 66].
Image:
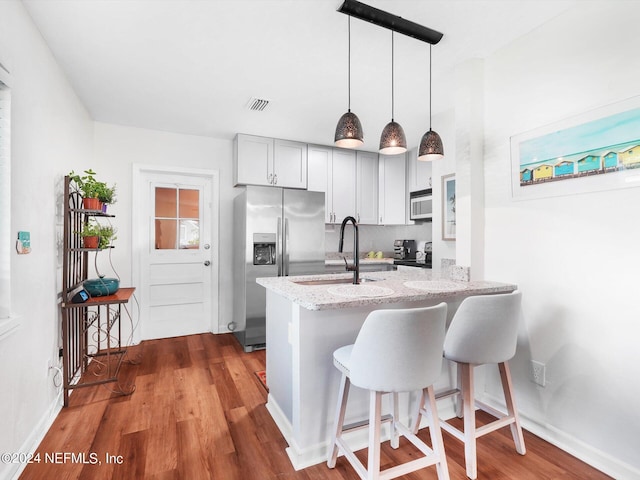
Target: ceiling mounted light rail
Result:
[392, 22]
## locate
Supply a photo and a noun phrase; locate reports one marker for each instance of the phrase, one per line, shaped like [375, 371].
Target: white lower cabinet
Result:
[392, 205]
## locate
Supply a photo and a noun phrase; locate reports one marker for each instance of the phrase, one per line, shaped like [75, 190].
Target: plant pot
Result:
[90, 242]
[91, 203]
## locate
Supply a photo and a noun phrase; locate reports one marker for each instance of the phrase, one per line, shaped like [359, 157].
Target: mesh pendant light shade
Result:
[430, 147]
[393, 141]
[349, 132]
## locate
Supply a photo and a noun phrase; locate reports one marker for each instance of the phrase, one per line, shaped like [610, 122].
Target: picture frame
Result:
[449, 207]
[594, 151]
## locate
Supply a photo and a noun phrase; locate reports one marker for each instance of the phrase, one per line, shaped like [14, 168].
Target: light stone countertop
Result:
[395, 286]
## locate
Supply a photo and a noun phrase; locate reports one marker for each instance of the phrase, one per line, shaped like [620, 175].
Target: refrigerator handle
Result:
[279, 255]
[285, 243]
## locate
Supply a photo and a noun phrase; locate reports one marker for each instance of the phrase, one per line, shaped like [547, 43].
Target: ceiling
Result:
[191, 66]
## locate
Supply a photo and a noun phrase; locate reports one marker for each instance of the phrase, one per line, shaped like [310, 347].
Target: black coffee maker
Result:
[404, 249]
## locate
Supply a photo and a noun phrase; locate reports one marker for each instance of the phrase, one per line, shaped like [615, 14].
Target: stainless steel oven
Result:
[421, 205]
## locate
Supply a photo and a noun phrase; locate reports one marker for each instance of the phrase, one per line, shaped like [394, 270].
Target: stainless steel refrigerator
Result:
[277, 232]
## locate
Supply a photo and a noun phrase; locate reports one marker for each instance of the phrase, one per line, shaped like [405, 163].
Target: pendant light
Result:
[392, 140]
[349, 132]
[431, 144]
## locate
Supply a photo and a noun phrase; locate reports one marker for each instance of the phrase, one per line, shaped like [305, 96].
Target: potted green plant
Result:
[97, 236]
[107, 235]
[90, 234]
[106, 195]
[89, 187]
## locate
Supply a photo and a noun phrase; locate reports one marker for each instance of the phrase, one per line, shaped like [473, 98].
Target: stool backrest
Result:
[484, 329]
[399, 350]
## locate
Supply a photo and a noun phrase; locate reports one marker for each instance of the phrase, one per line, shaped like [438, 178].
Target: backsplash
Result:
[375, 237]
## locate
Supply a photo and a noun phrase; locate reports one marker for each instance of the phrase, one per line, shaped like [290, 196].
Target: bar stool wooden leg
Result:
[437, 444]
[469, 411]
[341, 408]
[418, 416]
[458, 398]
[375, 410]
[395, 435]
[507, 387]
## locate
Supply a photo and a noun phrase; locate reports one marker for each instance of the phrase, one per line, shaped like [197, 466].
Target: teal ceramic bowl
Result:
[101, 287]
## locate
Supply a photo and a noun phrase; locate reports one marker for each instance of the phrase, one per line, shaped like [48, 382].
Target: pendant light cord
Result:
[349, 69]
[430, 86]
[392, 88]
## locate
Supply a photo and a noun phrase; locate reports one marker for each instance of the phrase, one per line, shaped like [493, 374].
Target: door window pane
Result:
[189, 204]
[166, 199]
[165, 234]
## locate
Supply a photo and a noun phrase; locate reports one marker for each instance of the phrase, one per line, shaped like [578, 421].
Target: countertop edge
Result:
[318, 298]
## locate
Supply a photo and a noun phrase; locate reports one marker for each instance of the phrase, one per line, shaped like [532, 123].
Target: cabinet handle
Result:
[275, 179]
[358, 218]
[270, 178]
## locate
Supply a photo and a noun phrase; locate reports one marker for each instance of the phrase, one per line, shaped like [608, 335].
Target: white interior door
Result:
[178, 262]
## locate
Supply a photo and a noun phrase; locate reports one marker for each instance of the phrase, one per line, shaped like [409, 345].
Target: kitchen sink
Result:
[334, 281]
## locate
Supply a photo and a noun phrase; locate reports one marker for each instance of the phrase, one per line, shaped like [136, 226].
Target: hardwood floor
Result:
[198, 413]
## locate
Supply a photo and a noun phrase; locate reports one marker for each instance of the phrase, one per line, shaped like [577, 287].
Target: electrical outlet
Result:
[538, 373]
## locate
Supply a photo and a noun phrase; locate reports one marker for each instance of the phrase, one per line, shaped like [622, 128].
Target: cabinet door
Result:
[344, 184]
[419, 173]
[367, 188]
[253, 162]
[290, 164]
[319, 174]
[393, 198]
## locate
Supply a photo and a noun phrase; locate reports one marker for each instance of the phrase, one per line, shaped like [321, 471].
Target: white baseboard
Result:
[13, 470]
[592, 456]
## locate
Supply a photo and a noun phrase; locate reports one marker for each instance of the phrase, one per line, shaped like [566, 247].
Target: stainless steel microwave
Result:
[421, 205]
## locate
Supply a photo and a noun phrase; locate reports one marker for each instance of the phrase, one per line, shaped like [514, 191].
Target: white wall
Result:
[575, 258]
[51, 133]
[118, 148]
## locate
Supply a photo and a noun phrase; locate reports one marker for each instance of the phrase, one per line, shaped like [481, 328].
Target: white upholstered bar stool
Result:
[395, 351]
[483, 330]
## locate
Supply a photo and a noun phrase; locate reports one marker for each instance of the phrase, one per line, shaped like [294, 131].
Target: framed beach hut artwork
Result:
[597, 150]
[449, 207]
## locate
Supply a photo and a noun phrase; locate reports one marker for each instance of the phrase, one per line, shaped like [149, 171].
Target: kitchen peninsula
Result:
[308, 317]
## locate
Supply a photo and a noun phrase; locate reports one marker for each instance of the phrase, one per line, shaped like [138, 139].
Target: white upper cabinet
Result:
[344, 184]
[253, 162]
[367, 188]
[418, 172]
[320, 176]
[265, 161]
[290, 164]
[392, 205]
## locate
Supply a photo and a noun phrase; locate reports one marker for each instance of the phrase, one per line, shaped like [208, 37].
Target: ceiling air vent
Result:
[257, 104]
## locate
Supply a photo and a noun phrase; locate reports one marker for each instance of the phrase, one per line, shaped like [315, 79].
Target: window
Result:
[5, 196]
[177, 214]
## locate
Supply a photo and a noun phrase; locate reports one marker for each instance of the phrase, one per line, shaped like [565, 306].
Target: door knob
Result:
[207, 263]
[207, 246]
